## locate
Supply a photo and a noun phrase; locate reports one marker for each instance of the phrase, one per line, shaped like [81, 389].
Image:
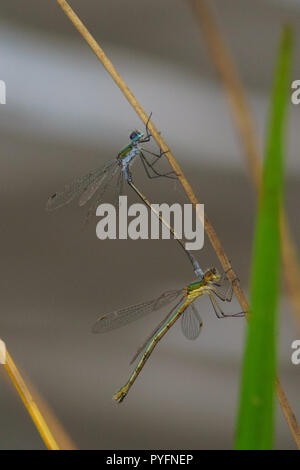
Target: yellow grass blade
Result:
[27, 399]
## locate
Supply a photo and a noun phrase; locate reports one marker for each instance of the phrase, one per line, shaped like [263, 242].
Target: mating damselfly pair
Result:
[97, 181]
[209, 282]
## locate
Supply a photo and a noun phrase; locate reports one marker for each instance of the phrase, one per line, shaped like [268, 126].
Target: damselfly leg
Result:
[148, 135]
[150, 165]
[224, 296]
[217, 308]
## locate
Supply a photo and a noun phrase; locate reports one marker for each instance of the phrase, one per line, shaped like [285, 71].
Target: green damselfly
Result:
[191, 323]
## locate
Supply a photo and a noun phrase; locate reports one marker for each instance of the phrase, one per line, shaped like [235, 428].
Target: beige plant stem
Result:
[243, 120]
[62, 439]
[28, 401]
[185, 184]
[228, 74]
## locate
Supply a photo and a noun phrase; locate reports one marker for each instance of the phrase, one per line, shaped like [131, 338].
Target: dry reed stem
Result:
[29, 403]
[288, 412]
[62, 439]
[185, 184]
[245, 128]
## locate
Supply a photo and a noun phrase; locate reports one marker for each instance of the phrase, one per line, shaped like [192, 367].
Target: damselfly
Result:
[98, 181]
[191, 323]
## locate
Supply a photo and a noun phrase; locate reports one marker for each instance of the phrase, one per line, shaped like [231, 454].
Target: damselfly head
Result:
[212, 275]
[136, 135]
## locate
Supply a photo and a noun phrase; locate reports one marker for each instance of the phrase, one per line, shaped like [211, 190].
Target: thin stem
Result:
[185, 184]
[243, 120]
[28, 401]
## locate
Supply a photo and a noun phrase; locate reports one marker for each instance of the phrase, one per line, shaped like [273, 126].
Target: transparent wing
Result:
[166, 298]
[107, 181]
[89, 192]
[127, 315]
[157, 328]
[77, 186]
[191, 322]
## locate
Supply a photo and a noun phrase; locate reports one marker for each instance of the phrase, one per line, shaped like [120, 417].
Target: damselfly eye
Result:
[134, 135]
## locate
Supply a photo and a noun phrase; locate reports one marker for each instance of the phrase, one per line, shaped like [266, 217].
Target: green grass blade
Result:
[255, 425]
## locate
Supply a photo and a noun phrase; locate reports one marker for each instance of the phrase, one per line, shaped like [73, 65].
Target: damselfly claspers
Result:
[191, 323]
[98, 180]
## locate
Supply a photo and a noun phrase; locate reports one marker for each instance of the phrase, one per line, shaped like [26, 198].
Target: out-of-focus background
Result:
[65, 116]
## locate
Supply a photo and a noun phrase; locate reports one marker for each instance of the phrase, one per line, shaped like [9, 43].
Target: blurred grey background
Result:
[64, 116]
